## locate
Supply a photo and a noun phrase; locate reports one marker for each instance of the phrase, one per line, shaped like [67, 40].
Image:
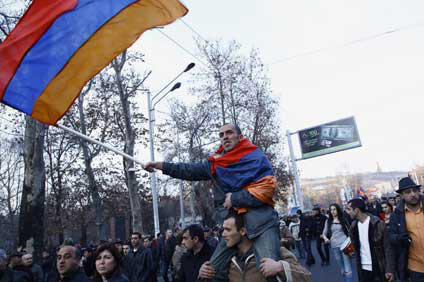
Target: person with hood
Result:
[406, 232]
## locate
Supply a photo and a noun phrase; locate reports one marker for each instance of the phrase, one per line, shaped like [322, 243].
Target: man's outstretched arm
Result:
[186, 171]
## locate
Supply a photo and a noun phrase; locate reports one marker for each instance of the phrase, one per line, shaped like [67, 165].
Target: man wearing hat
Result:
[9, 275]
[406, 231]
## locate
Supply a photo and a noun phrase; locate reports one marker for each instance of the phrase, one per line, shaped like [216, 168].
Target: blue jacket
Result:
[400, 243]
[260, 216]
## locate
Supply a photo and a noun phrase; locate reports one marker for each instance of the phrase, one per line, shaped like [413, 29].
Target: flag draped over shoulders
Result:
[59, 45]
[245, 168]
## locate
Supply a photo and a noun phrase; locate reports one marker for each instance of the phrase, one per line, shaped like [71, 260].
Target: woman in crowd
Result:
[336, 232]
[387, 210]
[108, 261]
[389, 250]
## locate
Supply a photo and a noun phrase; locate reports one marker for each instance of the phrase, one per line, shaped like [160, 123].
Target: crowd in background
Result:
[142, 258]
[383, 238]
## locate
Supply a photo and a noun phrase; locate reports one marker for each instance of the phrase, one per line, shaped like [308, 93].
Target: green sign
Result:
[329, 138]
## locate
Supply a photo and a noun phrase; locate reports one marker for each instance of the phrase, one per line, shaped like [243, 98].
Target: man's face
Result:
[351, 212]
[67, 262]
[168, 234]
[126, 249]
[189, 242]
[316, 212]
[135, 240]
[411, 196]
[229, 137]
[206, 234]
[392, 201]
[27, 259]
[146, 243]
[230, 234]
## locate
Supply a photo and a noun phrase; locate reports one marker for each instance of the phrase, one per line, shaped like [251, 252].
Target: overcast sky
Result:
[327, 60]
[378, 80]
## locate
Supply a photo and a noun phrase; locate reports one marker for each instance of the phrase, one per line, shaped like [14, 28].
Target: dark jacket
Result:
[191, 263]
[167, 248]
[78, 276]
[89, 265]
[376, 235]
[398, 237]
[140, 265]
[319, 223]
[10, 275]
[212, 242]
[260, 216]
[37, 273]
[306, 229]
[118, 277]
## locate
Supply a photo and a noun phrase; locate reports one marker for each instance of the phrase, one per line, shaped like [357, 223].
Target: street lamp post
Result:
[150, 109]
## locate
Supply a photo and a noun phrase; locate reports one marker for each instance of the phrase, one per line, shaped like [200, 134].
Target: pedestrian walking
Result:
[166, 248]
[319, 222]
[336, 233]
[307, 234]
[294, 228]
[367, 236]
[406, 231]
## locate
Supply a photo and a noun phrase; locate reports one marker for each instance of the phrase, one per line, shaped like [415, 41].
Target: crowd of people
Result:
[383, 237]
[182, 255]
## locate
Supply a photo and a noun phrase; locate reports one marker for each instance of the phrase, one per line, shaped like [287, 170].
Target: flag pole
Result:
[109, 147]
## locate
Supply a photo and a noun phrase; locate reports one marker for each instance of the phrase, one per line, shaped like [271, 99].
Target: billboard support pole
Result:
[299, 193]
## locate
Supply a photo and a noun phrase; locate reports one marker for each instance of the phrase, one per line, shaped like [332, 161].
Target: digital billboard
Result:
[329, 138]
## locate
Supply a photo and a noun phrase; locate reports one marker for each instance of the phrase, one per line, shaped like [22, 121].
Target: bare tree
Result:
[11, 172]
[127, 85]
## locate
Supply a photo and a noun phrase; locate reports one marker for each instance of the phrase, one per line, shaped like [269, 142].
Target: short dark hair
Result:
[136, 233]
[195, 230]
[236, 127]
[238, 219]
[358, 203]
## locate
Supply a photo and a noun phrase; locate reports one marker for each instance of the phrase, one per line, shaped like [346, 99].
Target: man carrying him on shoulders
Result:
[243, 263]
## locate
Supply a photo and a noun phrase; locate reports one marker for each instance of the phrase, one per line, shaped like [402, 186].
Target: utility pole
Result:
[299, 192]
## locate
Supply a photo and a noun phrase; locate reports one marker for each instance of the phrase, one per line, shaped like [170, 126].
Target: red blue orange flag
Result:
[245, 168]
[59, 45]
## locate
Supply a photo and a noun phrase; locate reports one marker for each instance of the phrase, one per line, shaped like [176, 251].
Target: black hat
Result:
[406, 183]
